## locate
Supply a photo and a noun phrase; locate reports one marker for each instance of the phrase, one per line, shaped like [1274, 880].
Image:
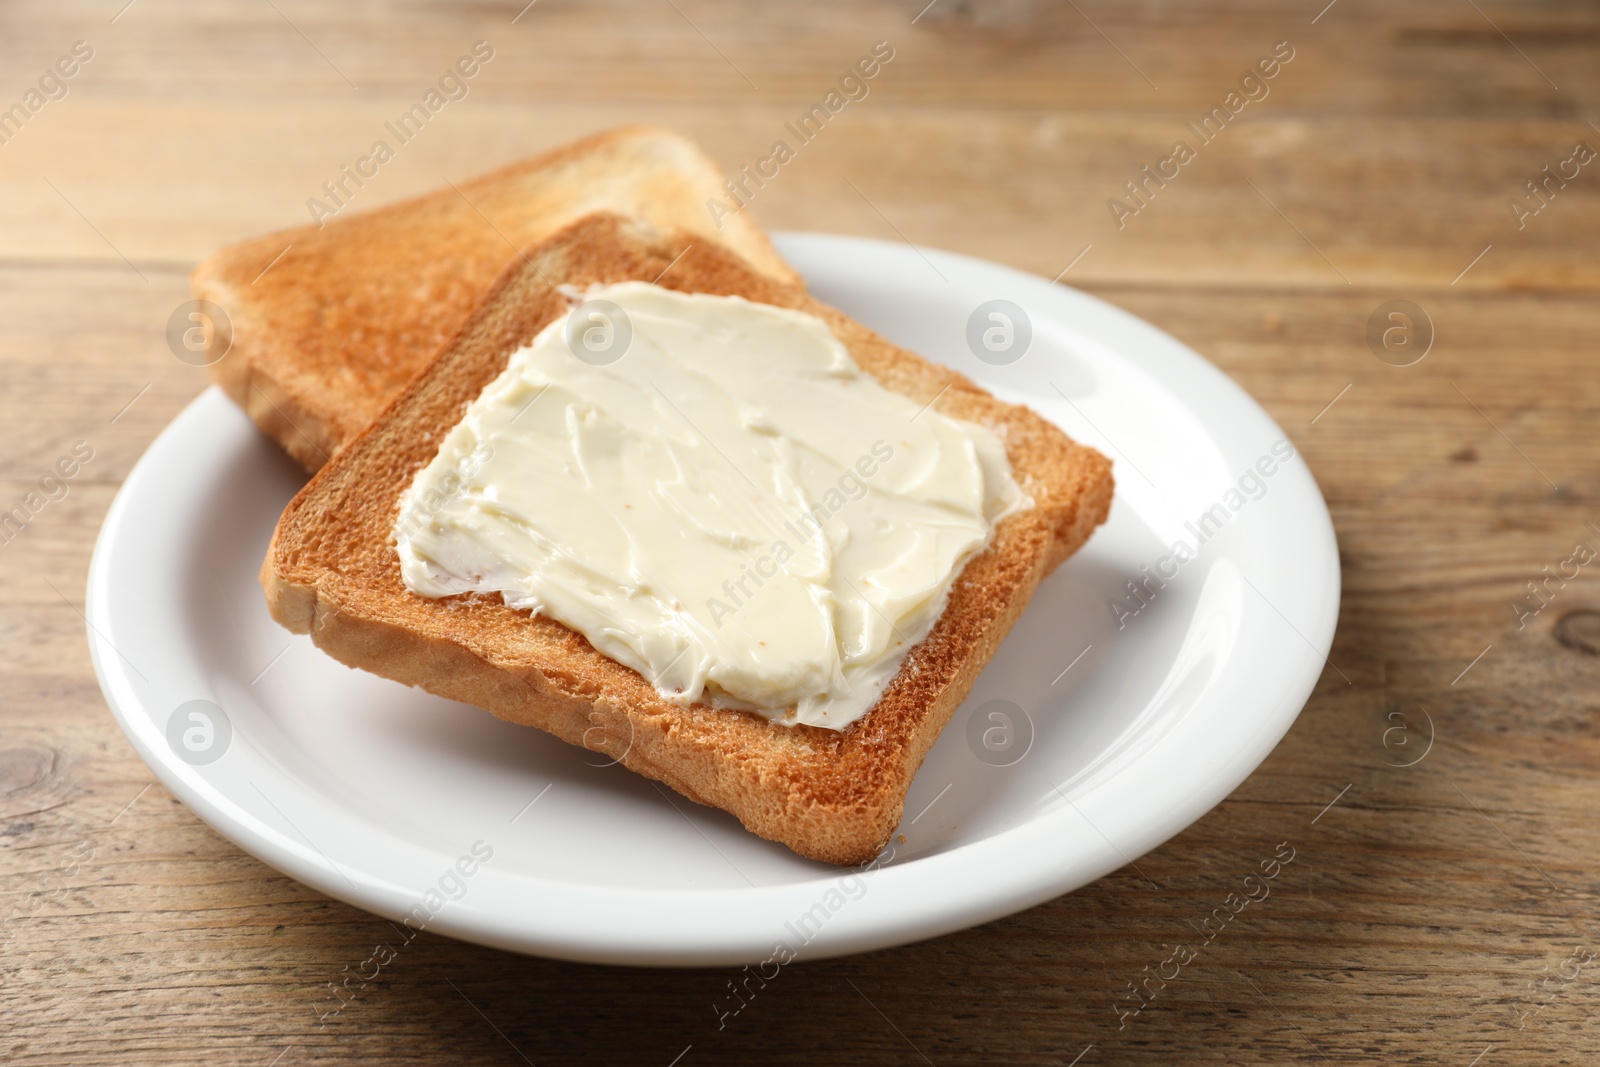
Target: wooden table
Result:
[1437, 913]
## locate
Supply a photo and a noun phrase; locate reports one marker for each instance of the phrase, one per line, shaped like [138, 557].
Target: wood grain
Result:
[1428, 912]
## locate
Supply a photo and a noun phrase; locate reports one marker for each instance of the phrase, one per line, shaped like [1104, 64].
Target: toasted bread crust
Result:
[325, 338]
[835, 796]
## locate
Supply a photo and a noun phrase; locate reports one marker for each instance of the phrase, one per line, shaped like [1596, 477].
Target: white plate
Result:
[374, 793]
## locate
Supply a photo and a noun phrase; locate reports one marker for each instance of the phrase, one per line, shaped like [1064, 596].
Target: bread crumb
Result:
[901, 838]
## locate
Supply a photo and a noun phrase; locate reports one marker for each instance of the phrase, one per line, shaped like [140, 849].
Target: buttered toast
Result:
[833, 795]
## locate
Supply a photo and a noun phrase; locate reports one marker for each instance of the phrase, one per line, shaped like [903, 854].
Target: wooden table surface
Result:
[1437, 913]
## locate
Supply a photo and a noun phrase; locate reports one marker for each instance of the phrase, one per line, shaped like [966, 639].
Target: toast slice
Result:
[335, 328]
[332, 571]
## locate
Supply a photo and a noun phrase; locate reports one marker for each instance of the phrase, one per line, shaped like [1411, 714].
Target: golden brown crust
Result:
[356, 308]
[332, 571]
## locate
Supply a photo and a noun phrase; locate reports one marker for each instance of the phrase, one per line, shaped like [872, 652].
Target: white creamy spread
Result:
[720, 499]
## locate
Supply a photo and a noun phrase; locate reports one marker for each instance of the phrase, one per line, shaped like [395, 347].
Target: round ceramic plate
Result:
[1113, 716]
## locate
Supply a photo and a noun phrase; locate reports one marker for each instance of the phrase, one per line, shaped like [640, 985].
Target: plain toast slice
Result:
[332, 571]
[329, 324]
